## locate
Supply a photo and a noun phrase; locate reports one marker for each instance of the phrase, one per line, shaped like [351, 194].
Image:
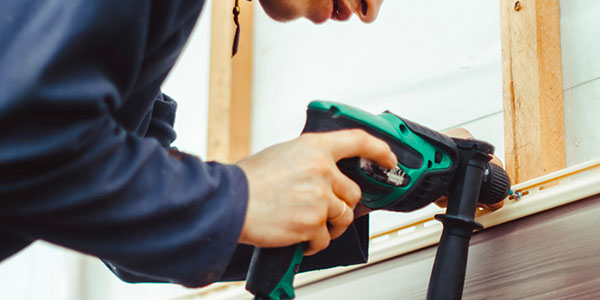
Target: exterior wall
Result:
[580, 28]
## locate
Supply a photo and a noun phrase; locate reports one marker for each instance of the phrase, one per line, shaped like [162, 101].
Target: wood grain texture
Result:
[532, 88]
[550, 255]
[230, 84]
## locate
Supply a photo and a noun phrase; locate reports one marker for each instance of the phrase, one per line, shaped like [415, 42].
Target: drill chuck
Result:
[495, 185]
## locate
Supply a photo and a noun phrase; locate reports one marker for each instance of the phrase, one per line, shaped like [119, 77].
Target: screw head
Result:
[518, 6]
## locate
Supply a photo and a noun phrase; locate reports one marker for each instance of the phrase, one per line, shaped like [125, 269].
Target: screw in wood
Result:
[518, 6]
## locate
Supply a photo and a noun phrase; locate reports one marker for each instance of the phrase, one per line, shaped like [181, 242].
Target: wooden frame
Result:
[230, 84]
[532, 88]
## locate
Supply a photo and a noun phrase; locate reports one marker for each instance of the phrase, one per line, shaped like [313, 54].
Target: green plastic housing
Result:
[427, 179]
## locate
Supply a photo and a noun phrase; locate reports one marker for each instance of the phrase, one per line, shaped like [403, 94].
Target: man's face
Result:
[320, 11]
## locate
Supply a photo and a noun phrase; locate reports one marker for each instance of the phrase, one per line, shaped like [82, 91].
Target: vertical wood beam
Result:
[532, 88]
[230, 86]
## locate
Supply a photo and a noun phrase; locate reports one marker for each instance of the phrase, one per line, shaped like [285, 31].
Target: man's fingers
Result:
[458, 132]
[346, 189]
[361, 210]
[493, 206]
[442, 201]
[356, 142]
[319, 242]
[496, 160]
[340, 220]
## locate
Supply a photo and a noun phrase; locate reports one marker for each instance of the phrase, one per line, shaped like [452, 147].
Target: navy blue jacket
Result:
[84, 137]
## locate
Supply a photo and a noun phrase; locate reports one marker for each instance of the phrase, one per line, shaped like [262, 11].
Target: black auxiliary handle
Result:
[449, 269]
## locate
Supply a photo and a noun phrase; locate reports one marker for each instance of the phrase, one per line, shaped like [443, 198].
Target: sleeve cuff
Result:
[233, 230]
[230, 228]
[205, 258]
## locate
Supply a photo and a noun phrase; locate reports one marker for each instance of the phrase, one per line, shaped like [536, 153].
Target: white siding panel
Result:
[582, 122]
[491, 130]
[580, 41]
[41, 271]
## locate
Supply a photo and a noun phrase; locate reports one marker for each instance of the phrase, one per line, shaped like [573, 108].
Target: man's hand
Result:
[465, 134]
[297, 193]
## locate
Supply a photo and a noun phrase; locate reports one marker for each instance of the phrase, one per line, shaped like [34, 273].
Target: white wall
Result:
[434, 62]
[580, 29]
[41, 271]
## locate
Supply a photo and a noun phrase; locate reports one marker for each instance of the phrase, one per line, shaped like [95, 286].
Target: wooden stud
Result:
[532, 88]
[230, 87]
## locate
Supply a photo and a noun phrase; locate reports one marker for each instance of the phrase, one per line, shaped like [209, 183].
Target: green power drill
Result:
[430, 164]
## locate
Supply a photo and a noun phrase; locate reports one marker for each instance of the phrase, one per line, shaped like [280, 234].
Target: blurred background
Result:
[434, 62]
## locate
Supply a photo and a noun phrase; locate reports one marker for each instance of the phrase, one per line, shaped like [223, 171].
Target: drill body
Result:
[426, 158]
[430, 164]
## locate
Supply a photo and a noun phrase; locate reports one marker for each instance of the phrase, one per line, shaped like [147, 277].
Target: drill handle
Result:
[449, 268]
[271, 272]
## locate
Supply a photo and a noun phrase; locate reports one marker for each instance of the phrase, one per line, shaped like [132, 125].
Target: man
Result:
[85, 160]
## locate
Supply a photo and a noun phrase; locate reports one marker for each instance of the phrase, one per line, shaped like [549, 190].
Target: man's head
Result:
[320, 11]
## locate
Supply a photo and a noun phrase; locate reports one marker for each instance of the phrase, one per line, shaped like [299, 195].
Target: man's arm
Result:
[71, 175]
[74, 176]
[350, 248]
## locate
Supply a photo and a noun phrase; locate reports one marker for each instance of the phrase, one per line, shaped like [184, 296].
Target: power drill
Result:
[430, 164]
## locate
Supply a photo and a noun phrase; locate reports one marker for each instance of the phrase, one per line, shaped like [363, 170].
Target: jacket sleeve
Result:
[350, 248]
[71, 175]
[11, 243]
[162, 121]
